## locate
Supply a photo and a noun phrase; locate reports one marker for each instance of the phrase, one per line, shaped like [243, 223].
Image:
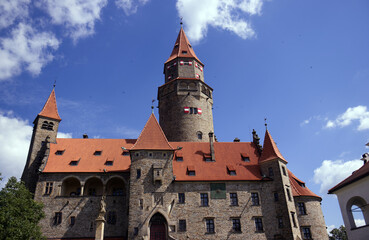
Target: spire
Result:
[152, 137]
[182, 48]
[50, 108]
[270, 150]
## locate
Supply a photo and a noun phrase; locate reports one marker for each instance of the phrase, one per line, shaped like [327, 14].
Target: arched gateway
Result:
[158, 227]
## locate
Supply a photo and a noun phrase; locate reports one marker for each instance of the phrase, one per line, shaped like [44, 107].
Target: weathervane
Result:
[181, 21]
[152, 105]
[266, 125]
[54, 83]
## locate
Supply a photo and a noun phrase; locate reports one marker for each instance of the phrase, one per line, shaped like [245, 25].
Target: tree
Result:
[338, 233]
[19, 213]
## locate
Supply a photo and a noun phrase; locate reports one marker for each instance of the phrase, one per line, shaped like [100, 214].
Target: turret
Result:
[185, 100]
[45, 129]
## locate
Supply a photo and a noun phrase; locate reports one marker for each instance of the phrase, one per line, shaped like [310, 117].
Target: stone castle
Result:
[176, 181]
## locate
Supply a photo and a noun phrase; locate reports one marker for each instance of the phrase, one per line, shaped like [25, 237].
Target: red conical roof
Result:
[152, 137]
[270, 150]
[182, 48]
[50, 108]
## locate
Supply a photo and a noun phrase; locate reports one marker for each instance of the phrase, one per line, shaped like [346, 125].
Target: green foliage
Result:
[19, 213]
[338, 233]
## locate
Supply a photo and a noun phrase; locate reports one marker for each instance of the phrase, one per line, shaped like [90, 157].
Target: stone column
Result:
[100, 220]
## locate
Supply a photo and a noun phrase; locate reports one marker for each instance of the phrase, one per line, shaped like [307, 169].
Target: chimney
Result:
[256, 141]
[85, 136]
[236, 140]
[365, 157]
[211, 135]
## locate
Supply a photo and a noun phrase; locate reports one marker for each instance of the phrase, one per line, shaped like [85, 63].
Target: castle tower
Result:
[185, 100]
[273, 166]
[45, 129]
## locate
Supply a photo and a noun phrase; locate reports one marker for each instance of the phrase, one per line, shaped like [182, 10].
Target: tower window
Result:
[302, 208]
[48, 188]
[259, 224]
[182, 225]
[138, 173]
[204, 199]
[45, 124]
[199, 135]
[181, 198]
[289, 195]
[72, 221]
[255, 199]
[306, 233]
[284, 171]
[276, 197]
[50, 126]
[210, 225]
[293, 219]
[271, 173]
[184, 52]
[236, 225]
[234, 199]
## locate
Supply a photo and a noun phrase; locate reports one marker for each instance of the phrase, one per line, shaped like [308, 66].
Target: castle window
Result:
[91, 226]
[204, 199]
[306, 233]
[280, 222]
[135, 231]
[255, 199]
[293, 219]
[125, 153]
[210, 228]
[97, 153]
[199, 135]
[59, 152]
[48, 188]
[258, 224]
[236, 225]
[284, 171]
[234, 199]
[57, 218]
[301, 207]
[231, 170]
[141, 204]
[138, 173]
[181, 198]
[191, 171]
[158, 198]
[245, 157]
[271, 173]
[112, 217]
[72, 221]
[276, 197]
[289, 195]
[182, 225]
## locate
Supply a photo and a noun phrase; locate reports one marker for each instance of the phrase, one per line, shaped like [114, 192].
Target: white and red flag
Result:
[186, 110]
[199, 111]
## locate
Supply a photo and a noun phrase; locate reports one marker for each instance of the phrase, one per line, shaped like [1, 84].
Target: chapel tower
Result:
[45, 129]
[185, 100]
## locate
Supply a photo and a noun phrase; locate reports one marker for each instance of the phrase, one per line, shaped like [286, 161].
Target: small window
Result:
[191, 173]
[72, 221]
[210, 228]
[138, 173]
[97, 153]
[293, 219]
[59, 152]
[184, 52]
[182, 225]
[207, 158]
[135, 232]
[125, 153]
[49, 188]
[284, 171]
[259, 224]
[141, 204]
[199, 135]
[306, 233]
[236, 225]
[57, 218]
[271, 173]
[289, 195]
[176, 46]
[91, 226]
[50, 126]
[195, 111]
[181, 198]
[190, 45]
[280, 222]
[255, 199]
[245, 157]
[164, 154]
[276, 197]
[45, 124]
[179, 157]
[112, 218]
[204, 199]
[232, 172]
[74, 162]
[301, 207]
[234, 199]
[109, 163]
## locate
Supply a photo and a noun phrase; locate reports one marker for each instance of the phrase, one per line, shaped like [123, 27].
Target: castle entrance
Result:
[158, 227]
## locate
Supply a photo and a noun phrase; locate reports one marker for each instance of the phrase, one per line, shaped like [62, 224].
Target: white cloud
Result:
[77, 16]
[305, 122]
[64, 135]
[128, 132]
[359, 222]
[230, 15]
[10, 10]
[330, 173]
[15, 137]
[26, 48]
[130, 6]
[355, 113]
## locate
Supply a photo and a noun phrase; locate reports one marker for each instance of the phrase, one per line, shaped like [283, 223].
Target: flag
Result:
[186, 110]
[199, 111]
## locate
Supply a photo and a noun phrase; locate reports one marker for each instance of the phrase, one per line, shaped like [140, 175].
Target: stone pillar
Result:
[100, 220]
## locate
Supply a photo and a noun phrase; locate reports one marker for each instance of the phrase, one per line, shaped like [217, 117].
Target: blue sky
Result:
[304, 65]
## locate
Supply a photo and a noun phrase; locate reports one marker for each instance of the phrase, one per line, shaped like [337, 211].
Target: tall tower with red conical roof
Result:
[185, 100]
[45, 129]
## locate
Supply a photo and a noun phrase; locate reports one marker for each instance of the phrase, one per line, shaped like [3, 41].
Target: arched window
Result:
[50, 126]
[115, 187]
[199, 135]
[71, 187]
[356, 213]
[93, 187]
[45, 125]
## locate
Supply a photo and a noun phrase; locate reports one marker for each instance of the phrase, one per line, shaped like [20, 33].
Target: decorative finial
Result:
[266, 125]
[152, 105]
[181, 21]
[54, 83]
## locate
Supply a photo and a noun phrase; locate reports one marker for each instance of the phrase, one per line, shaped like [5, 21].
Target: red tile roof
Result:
[270, 150]
[226, 154]
[182, 45]
[50, 109]
[355, 176]
[152, 137]
[83, 150]
[297, 189]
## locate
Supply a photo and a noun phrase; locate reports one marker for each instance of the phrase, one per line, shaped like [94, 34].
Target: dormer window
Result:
[207, 157]
[191, 171]
[125, 153]
[59, 152]
[245, 157]
[190, 45]
[179, 157]
[176, 46]
[97, 153]
[184, 52]
[74, 162]
[231, 170]
[109, 163]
